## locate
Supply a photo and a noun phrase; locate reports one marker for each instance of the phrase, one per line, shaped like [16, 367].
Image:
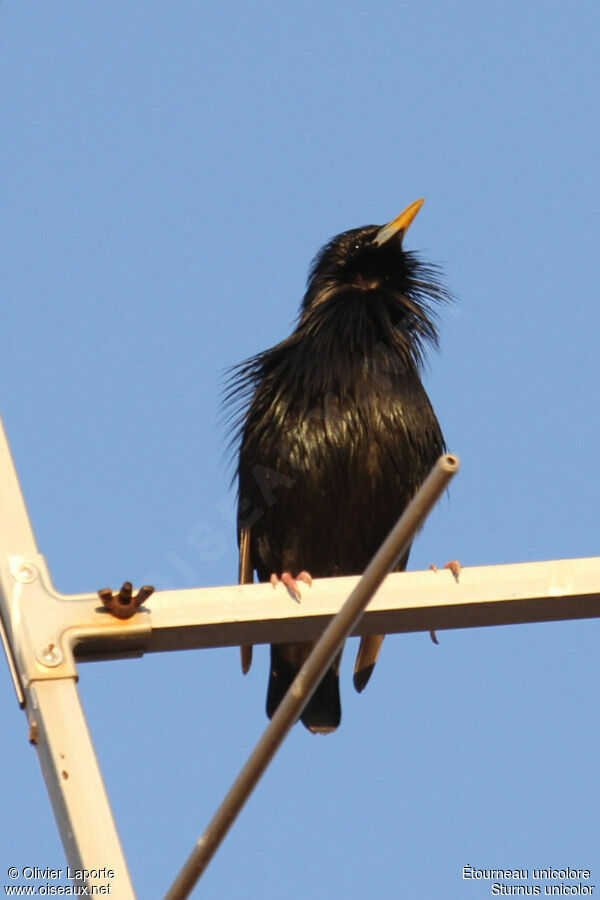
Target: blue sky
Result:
[169, 171]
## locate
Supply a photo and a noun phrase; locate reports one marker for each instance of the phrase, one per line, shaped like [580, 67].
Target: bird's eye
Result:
[357, 246]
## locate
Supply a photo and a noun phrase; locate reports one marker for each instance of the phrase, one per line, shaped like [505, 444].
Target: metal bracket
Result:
[44, 627]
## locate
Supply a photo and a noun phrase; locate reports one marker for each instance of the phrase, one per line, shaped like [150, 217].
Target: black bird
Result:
[336, 433]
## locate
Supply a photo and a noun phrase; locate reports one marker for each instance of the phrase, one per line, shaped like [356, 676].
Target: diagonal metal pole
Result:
[311, 673]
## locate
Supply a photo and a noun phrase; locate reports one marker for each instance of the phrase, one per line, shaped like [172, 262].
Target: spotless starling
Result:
[336, 433]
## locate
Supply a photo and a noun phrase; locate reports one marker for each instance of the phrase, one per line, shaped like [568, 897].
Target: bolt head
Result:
[50, 655]
[26, 572]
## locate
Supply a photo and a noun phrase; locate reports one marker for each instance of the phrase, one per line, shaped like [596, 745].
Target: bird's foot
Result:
[123, 605]
[455, 567]
[291, 583]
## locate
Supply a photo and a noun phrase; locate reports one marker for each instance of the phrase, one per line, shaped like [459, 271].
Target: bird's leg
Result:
[455, 568]
[291, 583]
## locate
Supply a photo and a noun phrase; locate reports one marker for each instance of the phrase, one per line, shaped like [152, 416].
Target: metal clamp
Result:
[44, 628]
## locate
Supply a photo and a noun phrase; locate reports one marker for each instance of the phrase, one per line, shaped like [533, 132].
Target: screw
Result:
[26, 573]
[50, 655]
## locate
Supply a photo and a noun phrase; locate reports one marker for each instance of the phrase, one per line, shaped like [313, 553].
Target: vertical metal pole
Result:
[16, 538]
[57, 724]
[74, 782]
[16, 533]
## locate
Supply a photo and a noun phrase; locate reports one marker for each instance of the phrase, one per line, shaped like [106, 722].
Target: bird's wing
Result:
[246, 576]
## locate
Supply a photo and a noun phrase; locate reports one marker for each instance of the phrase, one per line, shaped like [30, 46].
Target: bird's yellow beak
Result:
[400, 224]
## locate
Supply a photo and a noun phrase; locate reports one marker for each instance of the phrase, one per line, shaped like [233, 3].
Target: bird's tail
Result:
[323, 712]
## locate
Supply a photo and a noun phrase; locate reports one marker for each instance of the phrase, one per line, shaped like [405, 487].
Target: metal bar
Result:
[311, 673]
[16, 533]
[193, 618]
[70, 768]
[16, 537]
[57, 724]
[513, 594]
[518, 593]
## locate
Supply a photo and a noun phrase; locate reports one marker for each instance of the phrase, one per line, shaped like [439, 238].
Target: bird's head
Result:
[367, 258]
[368, 266]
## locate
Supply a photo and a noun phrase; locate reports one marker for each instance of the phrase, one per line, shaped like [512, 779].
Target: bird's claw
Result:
[455, 567]
[291, 583]
[123, 605]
